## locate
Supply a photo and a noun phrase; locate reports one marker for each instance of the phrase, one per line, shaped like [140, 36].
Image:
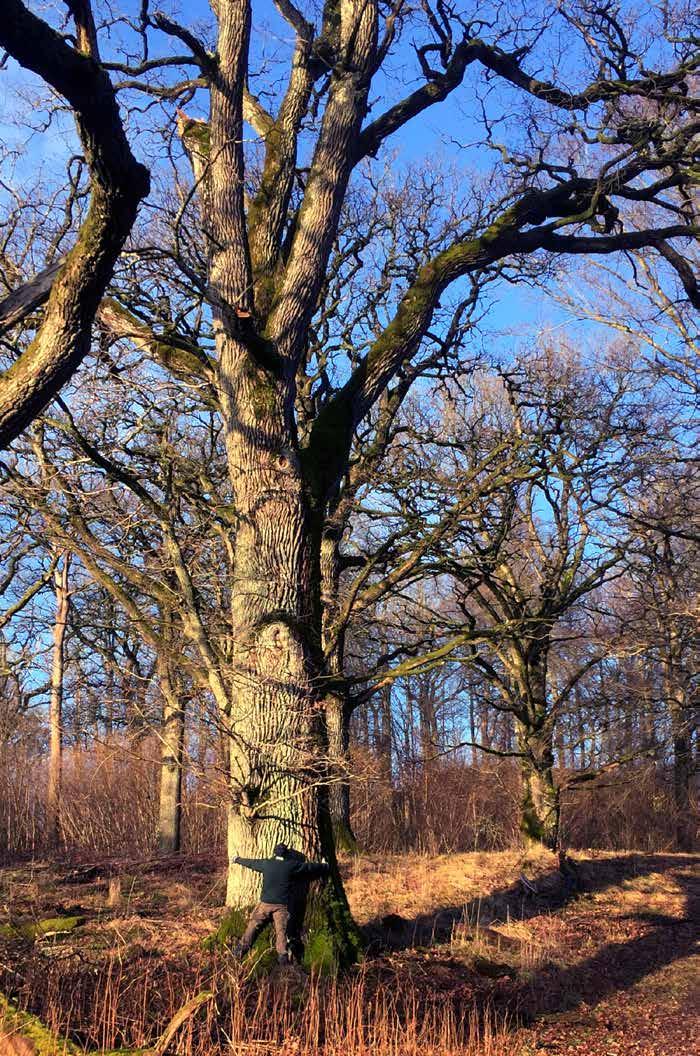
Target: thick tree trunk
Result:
[279, 748]
[276, 728]
[539, 805]
[172, 736]
[279, 759]
[53, 792]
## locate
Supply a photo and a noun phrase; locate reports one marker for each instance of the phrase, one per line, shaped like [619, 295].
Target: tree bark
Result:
[338, 723]
[279, 755]
[279, 749]
[682, 758]
[53, 792]
[682, 775]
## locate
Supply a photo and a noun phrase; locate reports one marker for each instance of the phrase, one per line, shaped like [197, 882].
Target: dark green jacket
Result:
[281, 874]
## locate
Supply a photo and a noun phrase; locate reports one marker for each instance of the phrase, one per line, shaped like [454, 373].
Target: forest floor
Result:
[601, 962]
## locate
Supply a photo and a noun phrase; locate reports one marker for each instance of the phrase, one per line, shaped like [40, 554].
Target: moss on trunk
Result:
[334, 941]
[345, 839]
[539, 811]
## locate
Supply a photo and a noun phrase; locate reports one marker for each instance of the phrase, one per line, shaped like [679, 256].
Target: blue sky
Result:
[449, 135]
[441, 136]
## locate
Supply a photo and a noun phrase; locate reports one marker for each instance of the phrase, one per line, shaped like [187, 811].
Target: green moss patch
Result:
[30, 1028]
[319, 954]
[334, 941]
[24, 1025]
[37, 929]
[230, 930]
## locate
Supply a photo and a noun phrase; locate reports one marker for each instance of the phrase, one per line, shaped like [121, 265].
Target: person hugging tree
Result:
[285, 878]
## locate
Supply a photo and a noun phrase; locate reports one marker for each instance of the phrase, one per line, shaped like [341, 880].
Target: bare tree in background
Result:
[526, 558]
[665, 610]
[53, 792]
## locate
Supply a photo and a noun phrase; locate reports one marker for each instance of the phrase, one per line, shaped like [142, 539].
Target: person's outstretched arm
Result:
[258, 864]
[309, 870]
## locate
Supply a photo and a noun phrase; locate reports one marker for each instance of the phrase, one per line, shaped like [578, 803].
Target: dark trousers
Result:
[259, 918]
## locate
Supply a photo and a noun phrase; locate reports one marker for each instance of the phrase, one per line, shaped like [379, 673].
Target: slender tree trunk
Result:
[338, 720]
[486, 726]
[110, 688]
[682, 756]
[132, 693]
[172, 738]
[53, 794]
[384, 750]
[473, 727]
[682, 775]
[337, 706]
[427, 719]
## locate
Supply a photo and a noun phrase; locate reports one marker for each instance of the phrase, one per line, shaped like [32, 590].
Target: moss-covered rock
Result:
[37, 929]
[30, 1029]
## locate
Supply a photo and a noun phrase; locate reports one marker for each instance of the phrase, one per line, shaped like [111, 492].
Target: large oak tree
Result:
[615, 126]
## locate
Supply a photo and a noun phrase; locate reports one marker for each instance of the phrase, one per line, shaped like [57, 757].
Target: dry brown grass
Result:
[127, 1005]
[411, 884]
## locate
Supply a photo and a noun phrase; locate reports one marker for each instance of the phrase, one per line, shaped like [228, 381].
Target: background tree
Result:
[53, 792]
[530, 555]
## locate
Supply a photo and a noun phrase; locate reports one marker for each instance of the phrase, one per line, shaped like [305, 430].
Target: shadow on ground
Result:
[613, 967]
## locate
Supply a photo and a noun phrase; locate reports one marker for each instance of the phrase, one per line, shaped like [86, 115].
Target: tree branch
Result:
[118, 183]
